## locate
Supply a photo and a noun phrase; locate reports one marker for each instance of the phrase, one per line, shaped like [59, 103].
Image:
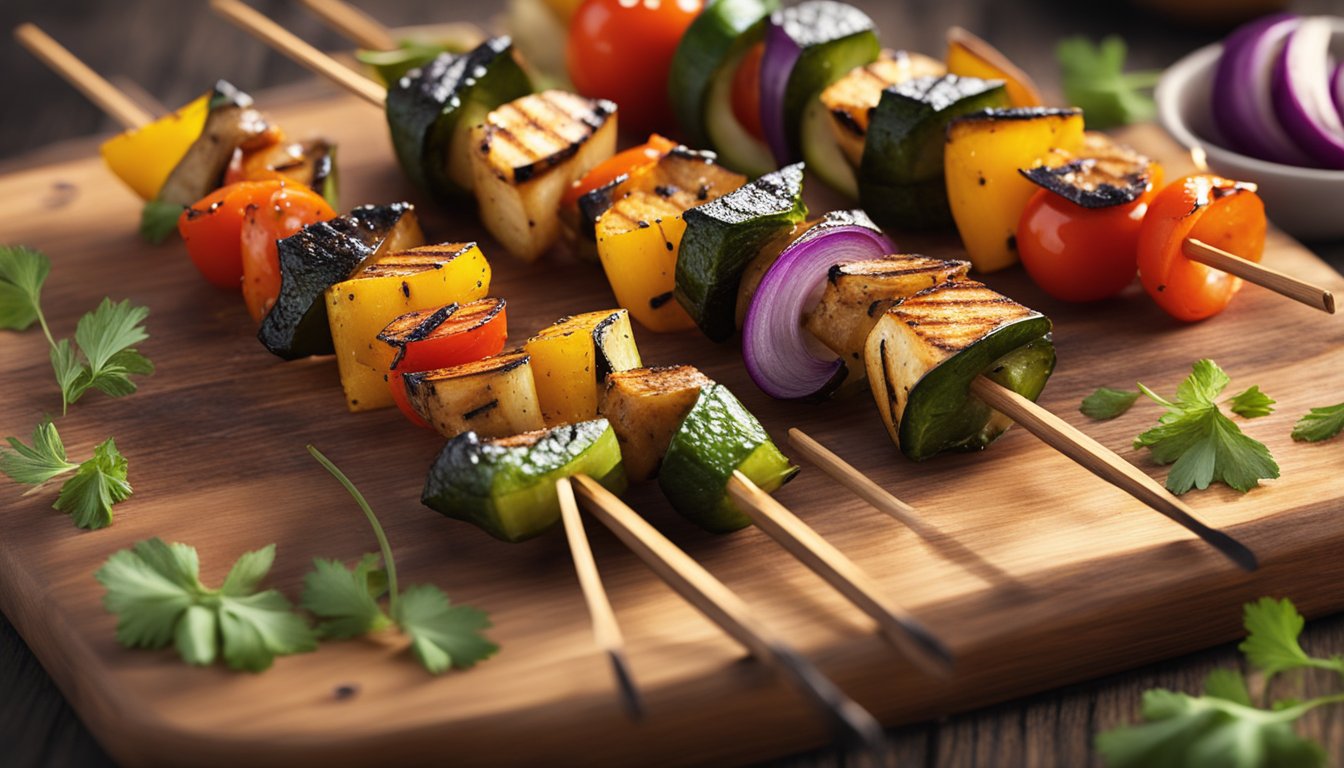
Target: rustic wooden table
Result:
[165, 50]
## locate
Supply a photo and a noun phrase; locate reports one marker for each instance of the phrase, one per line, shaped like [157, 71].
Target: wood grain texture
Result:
[1094, 582]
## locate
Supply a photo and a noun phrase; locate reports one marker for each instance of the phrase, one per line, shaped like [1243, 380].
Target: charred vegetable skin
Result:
[646, 407]
[231, 123]
[506, 486]
[494, 397]
[924, 352]
[851, 100]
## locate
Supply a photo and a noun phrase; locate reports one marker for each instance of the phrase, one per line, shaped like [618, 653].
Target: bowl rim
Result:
[1176, 79]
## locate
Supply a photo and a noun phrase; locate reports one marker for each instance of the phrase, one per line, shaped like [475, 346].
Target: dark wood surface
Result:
[171, 49]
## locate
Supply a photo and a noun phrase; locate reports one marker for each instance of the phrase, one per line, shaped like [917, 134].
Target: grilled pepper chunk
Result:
[983, 156]
[851, 100]
[646, 407]
[970, 56]
[506, 485]
[527, 154]
[571, 360]
[901, 176]
[384, 288]
[723, 236]
[321, 255]
[924, 353]
[143, 157]
[493, 397]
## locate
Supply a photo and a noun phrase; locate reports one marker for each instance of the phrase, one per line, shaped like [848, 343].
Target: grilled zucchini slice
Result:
[924, 353]
[851, 100]
[494, 397]
[527, 153]
[506, 486]
[571, 360]
[646, 407]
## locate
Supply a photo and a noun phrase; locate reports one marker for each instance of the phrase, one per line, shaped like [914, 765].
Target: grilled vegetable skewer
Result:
[1252, 272]
[353, 23]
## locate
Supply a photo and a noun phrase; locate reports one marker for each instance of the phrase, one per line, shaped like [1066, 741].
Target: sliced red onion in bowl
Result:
[1301, 90]
[781, 54]
[779, 354]
[1243, 106]
[1337, 88]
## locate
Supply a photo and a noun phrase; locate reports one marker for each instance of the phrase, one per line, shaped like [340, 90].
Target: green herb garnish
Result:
[1107, 403]
[1095, 79]
[88, 496]
[158, 220]
[1320, 424]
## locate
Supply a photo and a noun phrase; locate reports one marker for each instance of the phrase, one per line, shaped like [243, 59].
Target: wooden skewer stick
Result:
[1252, 272]
[1106, 464]
[606, 631]
[287, 43]
[64, 63]
[354, 24]
[782, 525]
[726, 609]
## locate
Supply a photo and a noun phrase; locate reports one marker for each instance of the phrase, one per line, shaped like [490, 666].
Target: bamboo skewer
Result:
[800, 539]
[1106, 464]
[354, 24]
[606, 631]
[287, 43]
[98, 90]
[709, 595]
[1265, 277]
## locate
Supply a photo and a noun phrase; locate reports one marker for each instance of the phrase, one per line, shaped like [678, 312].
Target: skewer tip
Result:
[630, 697]
[1232, 549]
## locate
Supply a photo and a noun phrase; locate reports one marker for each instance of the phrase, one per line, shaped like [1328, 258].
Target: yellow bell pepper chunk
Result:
[571, 360]
[143, 157]
[637, 242]
[981, 161]
[970, 56]
[386, 287]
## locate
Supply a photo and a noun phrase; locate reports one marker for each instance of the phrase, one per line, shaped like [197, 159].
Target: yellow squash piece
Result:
[143, 157]
[384, 288]
[981, 161]
[571, 360]
[970, 56]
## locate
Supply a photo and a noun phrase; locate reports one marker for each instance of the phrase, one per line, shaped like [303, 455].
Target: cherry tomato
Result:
[605, 172]
[747, 91]
[474, 331]
[1082, 254]
[1223, 213]
[212, 229]
[622, 50]
[289, 209]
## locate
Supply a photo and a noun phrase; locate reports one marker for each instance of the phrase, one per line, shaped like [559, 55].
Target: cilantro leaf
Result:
[39, 463]
[1228, 684]
[97, 485]
[105, 337]
[158, 220]
[442, 635]
[1320, 424]
[155, 591]
[346, 600]
[22, 273]
[1273, 628]
[1200, 442]
[1252, 403]
[1095, 79]
[1107, 403]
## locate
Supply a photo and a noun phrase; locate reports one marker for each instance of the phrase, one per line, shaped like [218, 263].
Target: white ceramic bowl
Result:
[1308, 203]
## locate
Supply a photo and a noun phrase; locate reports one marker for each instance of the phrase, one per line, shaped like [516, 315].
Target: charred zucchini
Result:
[722, 236]
[924, 352]
[231, 124]
[524, 157]
[571, 360]
[901, 176]
[321, 255]
[494, 397]
[506, 486]
[646, 407]
[850, 101]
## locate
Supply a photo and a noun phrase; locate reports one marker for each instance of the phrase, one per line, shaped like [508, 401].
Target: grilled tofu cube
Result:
[384, 288]
[858, 293]
[493, 397]
[527, 153]
[851, 99]
[571, 360]
[646, 406]
[924, 352]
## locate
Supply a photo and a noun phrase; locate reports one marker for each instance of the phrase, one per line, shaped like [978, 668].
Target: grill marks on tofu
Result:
[645, 407]
[852, 99]
[955, 315]
[525, 137]
[494, 397]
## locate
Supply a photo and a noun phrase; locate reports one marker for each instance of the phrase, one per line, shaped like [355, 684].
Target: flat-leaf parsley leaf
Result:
[1095, 79]
[22, 273]
[1107, 403]
[89, 495]
[1320, 424]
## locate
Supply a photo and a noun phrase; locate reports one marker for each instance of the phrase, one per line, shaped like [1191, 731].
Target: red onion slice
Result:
[778, 353]
[1337, 88]
[1301, 91]
[1243, 107]
[781, 54]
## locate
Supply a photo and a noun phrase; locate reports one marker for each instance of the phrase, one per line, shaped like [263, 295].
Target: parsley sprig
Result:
[442, 635]
[1320, 424]
[1095, 79]
[1224, 726]
[1107, 403]
[88, 496]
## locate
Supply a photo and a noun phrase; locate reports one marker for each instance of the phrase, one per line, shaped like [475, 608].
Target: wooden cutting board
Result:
[1043, 574]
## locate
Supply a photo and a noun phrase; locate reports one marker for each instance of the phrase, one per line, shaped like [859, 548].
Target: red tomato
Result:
[471, 332]
[1225, 214]
[290, 209]
[212, 229]
[622, 50]
[747, 91]
[1082, 254]
[645, 155]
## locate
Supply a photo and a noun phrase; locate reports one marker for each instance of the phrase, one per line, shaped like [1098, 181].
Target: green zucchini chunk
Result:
[721, 238]
[316, 258]
[506, 486]
[430, 111]
[719, 436]
[901, 177]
